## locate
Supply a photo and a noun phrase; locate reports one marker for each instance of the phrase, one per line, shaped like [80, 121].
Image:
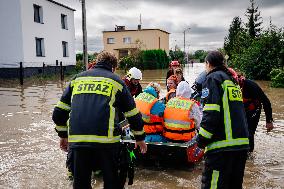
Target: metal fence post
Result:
[56, 65]
[43, 66]
[21, 73]
[61, 71]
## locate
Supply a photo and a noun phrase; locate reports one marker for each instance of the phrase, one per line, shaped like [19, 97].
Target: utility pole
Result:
[184, 38]
[84, 30]
[184, 43]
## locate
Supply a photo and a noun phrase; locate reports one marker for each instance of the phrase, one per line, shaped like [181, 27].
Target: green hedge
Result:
[146, 59]
[154, 59]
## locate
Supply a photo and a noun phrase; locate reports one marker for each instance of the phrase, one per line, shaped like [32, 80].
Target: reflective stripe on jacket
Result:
[153, 123]
[223, 125]
[91, 102]
[178, 125]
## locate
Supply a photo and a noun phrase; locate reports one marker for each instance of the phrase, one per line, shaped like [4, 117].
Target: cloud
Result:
[209, 20]
[95, 43]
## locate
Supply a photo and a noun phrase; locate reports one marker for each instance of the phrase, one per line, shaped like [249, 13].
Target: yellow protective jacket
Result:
[223, 126]
[88, 109]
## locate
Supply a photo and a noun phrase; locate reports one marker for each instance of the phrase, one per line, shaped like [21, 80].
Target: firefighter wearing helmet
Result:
[132, 81]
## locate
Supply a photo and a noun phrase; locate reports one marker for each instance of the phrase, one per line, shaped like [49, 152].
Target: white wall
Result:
[50, 30]
[11, 48]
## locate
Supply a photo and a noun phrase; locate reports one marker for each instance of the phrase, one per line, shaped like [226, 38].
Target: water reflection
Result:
[30, 155]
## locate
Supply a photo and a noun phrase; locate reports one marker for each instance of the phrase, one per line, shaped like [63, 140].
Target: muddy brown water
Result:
[29, 147]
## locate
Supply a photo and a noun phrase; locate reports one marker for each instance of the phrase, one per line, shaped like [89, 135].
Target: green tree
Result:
[231, 42]
[200, 54]
[254, 20]
[177, 55]
[262, 55]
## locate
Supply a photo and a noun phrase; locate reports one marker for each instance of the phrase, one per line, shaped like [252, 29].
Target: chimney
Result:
[140, 23]
[120, 28]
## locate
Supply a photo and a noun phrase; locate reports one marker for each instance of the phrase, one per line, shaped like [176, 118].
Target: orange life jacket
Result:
[169, 93]
[153, 123]
[178, 125]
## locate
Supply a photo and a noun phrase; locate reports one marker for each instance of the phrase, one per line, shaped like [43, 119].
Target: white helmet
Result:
[135, 73]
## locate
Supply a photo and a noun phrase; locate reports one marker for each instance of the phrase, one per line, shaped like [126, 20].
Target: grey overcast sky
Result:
[209, 20]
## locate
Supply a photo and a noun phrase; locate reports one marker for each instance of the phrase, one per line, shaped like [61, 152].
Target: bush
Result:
[80, 66]
[277, 78]
[126, 62]
[263, 54]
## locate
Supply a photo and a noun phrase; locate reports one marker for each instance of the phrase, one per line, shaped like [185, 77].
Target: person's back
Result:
[181, 116]
[254, 98]
[90, 100]
[223, 129]
[106, 85]
[233, 110]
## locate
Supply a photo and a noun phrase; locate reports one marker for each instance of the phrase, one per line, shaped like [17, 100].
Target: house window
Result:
[39, 46]
[38, 14]
[110, 40]
[126, 40]
[64, 21]
[65, 49]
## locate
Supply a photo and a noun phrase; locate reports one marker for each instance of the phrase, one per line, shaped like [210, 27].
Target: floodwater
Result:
[29, 147]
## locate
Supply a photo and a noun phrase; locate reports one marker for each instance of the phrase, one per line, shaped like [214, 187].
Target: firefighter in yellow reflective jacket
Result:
[89, 107]
[223, 129]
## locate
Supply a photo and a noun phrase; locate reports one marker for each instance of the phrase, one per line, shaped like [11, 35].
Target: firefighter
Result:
[132, 81]
[223, 129]
[152, 111]
[182, 116]
[88, 107]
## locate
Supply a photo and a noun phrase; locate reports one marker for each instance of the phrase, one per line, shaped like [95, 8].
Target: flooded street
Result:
[29, 147]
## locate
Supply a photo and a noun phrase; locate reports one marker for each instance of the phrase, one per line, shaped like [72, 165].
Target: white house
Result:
[36, 32]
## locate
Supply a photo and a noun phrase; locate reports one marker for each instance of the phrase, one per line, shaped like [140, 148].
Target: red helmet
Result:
[174, 63]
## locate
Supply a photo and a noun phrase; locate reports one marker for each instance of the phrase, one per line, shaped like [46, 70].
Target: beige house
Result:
[121, 41]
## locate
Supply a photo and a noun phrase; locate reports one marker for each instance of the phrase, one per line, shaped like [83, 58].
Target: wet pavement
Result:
[29, 147]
